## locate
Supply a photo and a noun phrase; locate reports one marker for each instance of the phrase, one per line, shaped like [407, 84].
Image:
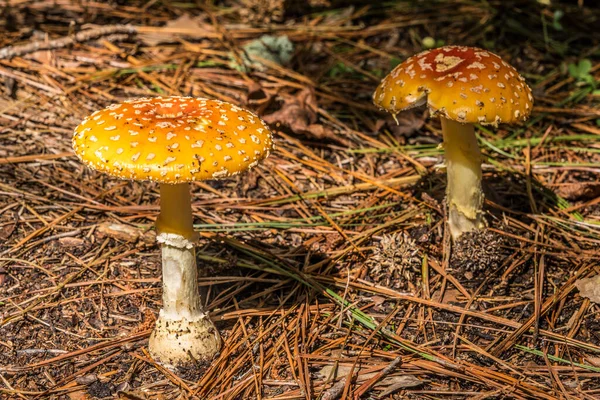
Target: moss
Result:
[278, 49]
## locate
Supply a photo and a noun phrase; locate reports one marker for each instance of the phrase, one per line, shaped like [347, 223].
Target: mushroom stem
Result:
[181, 298]
[175, 210]
[463, 166]
[184, 334]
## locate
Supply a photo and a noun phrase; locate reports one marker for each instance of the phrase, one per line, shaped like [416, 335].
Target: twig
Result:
[365, 387]
[335, 391]
[84, 36]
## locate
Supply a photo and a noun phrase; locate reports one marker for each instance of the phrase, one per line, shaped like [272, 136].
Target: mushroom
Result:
[174, 141]
[464, 85]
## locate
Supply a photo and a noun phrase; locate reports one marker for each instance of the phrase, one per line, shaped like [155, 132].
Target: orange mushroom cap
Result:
[464, 84]
[172, 139]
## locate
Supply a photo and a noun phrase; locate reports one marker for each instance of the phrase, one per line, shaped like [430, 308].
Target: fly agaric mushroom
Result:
[174, 141]
[465, 85]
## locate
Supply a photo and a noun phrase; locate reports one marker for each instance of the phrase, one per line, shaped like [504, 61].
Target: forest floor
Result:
[328, 269]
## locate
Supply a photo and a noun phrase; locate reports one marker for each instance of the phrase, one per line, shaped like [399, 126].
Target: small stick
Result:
[15, 51]
[335, 391]
[382, 374]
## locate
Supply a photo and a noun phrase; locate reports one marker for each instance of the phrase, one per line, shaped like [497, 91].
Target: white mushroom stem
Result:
[181, 298]
[463, 166]
[184, 335]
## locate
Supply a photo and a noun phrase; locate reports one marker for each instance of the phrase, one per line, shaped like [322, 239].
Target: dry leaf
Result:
[405, 124]
[590, 288]
[79, 395]
[395, 383]
[595, 361]
[450, 296]
[87, 379]
[330, 372]
[579, 191]
[297, 113]
[71, 242]
[183, 22]
[250, 182]
[137, 395]
[7, 230]
[389, 384]
[125, 233]
[408, 123]
[256, 91]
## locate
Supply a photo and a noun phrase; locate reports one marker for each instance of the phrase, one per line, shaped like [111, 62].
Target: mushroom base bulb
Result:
[184, 343]
[459, 223]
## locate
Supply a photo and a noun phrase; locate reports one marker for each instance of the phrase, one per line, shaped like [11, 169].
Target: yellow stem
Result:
[463, 166]
[176, 210]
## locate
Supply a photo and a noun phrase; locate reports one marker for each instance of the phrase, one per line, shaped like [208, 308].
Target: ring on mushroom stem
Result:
[174, 141]
[465, 85]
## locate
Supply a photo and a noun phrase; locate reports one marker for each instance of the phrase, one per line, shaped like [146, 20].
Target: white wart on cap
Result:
[172, 139]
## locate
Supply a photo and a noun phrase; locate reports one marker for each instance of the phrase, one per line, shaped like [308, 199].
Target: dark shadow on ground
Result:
[507, 190]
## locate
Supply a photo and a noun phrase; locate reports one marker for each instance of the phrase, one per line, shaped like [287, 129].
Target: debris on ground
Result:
[333, 254]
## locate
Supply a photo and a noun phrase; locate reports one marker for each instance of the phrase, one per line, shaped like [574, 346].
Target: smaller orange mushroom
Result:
[174, 141]
[464, 85]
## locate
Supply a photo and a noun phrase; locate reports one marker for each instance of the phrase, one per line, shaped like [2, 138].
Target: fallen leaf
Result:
[256, 91]
[331, 372]
[184, 22]
[250, 182]
[405, 124]
[7, 230]
[579, 191]
[125, 233]
[395, 383]
[78, 395]
[297, 113]
[389, 384]
[595, 361]
[70, 242]
[123, 387]
[590, 288]
[450, 296]
[137, 395]
[408, 123]
[87, 379]
[378, 300]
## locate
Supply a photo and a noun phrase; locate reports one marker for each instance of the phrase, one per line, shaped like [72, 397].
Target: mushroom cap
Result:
[172, 139]
[465, 84]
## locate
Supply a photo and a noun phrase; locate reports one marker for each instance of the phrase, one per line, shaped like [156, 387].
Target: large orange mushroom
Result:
[465, 86]
[174, 141]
